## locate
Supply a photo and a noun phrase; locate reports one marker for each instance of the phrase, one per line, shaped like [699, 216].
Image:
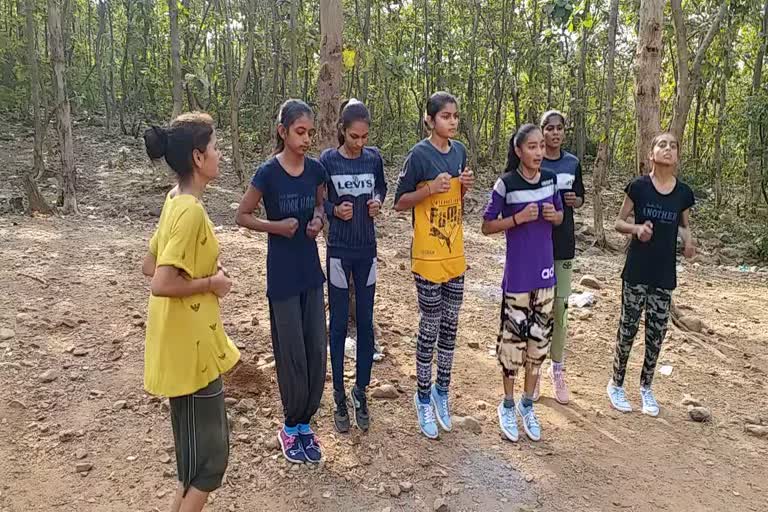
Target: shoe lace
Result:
[532, 420]
[428, 413]
[648, 398]
[559, 378]
[443, 403]
[290, 441]
[620, 394]
[507, 416]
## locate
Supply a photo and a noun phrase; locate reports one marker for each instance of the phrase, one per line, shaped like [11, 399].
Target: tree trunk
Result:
[237, 94]
[438, 65]
[696, 117]
[111, 67]
[330, 73]
[470, 119]
[36, 201]
[63, 114]
[604, 148]
[581, 91]
[103, 78]
[294, 13]
[722, 112]
[755, 148]
[177, 90]
[689, 75]
[648, 79]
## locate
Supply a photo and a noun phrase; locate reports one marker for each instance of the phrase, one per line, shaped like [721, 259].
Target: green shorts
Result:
[201, 437]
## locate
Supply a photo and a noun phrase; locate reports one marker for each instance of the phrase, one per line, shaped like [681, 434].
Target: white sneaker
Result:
[650, 406]
[508, 422]
[618, 397]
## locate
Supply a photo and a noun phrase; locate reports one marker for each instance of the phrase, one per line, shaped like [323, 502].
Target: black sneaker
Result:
[341, 414]
[360, 403]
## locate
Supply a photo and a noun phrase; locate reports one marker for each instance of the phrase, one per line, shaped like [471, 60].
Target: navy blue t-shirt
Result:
[293, 264]
[568, 171]
[356, 180]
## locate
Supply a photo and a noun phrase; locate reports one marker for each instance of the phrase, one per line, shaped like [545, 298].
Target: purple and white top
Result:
[530, 263]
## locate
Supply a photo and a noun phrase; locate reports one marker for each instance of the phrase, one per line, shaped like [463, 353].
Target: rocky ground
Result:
[79, 434]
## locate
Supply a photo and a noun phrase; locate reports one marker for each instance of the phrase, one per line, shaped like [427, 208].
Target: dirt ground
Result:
[72, 308]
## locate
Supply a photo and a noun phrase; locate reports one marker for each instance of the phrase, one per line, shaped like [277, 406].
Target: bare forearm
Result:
[411, 199]
[148, 265]
[685, 235]
[498, 225]
[626, 228]
[254, 223]
[179, 286]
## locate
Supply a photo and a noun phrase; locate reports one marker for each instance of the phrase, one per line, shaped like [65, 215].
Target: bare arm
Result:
[320, 197]
[148, 265]
[490, 227]
[245, 218]
[685, 229]
[411, 199]
[169, 282]
[622, 225]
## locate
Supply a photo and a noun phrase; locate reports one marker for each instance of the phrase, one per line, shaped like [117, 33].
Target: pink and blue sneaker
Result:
[291, 445]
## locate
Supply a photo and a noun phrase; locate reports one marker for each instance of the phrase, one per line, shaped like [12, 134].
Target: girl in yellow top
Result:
[186, 348]
[432, 184]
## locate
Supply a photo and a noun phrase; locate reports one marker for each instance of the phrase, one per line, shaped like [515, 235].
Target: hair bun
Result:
[156, 142]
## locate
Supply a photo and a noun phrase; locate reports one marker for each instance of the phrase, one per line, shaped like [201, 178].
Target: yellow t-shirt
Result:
[437, 252]
[186, 347]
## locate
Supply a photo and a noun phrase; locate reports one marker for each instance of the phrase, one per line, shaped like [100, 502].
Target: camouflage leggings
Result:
[657, 303]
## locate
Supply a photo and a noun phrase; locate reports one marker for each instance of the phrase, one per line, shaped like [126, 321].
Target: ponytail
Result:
[515, 141]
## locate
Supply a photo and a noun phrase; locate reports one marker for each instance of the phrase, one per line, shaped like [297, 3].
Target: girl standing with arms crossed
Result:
[432, 184]
[186, 348]
[356, 190]
[567, 169]
[292, 187]
[525, 205]
[660, 204]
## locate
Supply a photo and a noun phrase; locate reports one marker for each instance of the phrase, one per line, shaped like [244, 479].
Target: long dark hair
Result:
[290, 111]
[437, 102]
[517, 140]
[188, 132]
[351, 110]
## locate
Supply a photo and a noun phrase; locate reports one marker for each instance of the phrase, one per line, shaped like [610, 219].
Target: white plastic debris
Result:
[582, 300]
[666, 370]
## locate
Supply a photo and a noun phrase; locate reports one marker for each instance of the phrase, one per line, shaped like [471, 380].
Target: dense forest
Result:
[620, 70]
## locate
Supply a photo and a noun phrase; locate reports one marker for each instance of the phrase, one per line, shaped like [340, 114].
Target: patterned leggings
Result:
[657, 303]
[439, 305]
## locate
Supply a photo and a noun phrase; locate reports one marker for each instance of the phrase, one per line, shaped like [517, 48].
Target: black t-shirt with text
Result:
[653, 263]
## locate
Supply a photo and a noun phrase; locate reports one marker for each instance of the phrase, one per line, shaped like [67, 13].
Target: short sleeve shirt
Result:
[437, 249]
[654, 263]
[293, 264]
[529, 262]
[185, 347]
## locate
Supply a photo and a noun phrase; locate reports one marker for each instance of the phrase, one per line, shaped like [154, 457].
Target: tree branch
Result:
[681, 38]
[711, 33]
